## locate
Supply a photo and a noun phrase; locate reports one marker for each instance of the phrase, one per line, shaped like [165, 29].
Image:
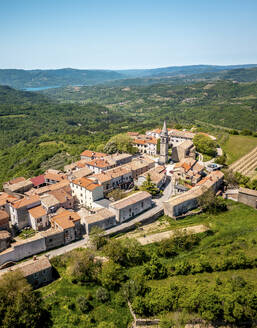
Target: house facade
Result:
[86, 191]
[131, 206]
[19, 210]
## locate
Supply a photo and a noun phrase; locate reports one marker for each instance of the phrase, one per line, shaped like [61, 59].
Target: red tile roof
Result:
[66, 219]
[37, 212]
[39, 180]
[26, 201]
[90, 153]
[86, 183]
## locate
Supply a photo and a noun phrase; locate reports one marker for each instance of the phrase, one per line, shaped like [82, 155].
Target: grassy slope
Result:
[62, 294]
[234, 231]
[237, 146]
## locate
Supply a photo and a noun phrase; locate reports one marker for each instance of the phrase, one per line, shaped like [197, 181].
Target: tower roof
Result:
[164, 128]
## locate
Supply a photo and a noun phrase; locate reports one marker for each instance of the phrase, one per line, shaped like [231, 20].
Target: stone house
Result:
[65, 199]
[53, 176]
[53, 238]
[4, 220]
[120, 159]
[38, 218]
[37, 271]
[183, 150]
[69, 223]
[103, 218]
[100, 165]
[187, 201]
[6, 198]
[157, 175]
[18, 185]
[79, 173]
[139, 166]
[119, 177]
[19, 210]
[176, 137]
[50, 203]
[89, 155]
[131, 206]
[5, 240]
[148, 145]
[248, 197]
[86, 191]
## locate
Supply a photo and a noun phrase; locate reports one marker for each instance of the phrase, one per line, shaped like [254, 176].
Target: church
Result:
[164, 145]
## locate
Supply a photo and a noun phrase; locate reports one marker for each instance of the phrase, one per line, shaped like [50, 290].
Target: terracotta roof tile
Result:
[90, 153]
[25, 201]
[86, 183]
[66, 219]
[37, 212]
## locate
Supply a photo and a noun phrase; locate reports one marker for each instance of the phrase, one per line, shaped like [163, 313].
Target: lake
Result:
[41, 88]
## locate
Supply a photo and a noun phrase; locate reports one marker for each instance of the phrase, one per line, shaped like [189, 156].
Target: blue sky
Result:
[114, 34]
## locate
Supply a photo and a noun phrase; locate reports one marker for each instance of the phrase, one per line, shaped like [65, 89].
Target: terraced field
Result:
[247, 164]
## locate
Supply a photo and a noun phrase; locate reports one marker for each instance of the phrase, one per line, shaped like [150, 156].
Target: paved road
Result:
[65, 249]
[144, 216]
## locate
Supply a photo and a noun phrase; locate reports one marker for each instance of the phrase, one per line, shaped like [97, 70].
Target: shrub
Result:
[84, 304]
[112, 275]
[83, 268]
[102, 295]
[154, 269]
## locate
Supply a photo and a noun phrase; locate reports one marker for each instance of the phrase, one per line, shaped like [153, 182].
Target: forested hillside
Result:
[224, 103]
[59, 123]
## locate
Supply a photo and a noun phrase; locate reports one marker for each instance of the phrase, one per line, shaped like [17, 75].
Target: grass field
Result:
[237, 146]
[234, 232]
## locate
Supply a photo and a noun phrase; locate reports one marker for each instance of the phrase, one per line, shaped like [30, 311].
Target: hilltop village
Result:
[62, 207]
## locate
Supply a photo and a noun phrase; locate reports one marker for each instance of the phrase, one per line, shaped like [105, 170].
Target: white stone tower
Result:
[164, 145]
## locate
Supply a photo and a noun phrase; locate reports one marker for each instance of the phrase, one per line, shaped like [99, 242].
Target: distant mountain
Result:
[175, 71]
[21, 79]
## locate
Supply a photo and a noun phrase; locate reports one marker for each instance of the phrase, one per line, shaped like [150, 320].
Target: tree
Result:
[112, 275]
[20, 306]
[221, 159]
[205, 145]
[125, 252]
[211, 203]
[121, 143]
[150, 187]
[83, 268]
[116, 194]
[97, 237]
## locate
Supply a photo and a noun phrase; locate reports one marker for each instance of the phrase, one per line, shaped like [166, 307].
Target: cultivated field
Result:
[247, 164]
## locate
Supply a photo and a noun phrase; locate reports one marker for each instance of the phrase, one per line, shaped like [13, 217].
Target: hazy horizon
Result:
[121, 69]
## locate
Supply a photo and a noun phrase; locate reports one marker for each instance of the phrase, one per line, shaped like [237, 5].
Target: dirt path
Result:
[167, 234]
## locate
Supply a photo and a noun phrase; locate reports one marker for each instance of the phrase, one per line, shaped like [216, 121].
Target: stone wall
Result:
[247, 199]
[133, 224]
[22, 250]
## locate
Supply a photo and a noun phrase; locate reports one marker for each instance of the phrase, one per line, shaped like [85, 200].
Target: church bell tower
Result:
[164, 145]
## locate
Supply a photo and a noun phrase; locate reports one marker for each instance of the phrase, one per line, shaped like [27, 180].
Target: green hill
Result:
[21, 79]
